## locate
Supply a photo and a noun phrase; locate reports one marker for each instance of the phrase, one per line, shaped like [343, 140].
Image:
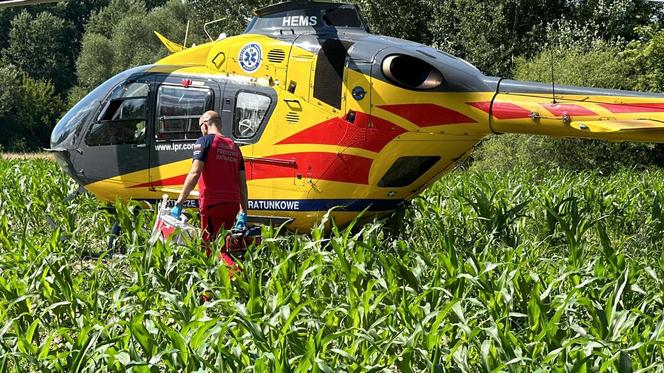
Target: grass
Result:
[532, 271]
[26, 156]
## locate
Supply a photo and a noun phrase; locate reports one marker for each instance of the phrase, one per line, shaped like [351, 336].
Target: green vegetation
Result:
[532, 270]
[112, 34]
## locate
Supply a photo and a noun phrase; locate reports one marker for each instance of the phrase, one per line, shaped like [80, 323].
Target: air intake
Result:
[276, 55]
[411, 72]
[292, 117]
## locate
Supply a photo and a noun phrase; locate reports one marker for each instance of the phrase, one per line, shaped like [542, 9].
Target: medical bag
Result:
[237, 241]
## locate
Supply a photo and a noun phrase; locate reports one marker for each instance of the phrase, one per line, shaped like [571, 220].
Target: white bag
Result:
[167, 226]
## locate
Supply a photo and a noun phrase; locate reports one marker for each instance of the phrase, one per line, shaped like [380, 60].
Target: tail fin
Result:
[173, 47]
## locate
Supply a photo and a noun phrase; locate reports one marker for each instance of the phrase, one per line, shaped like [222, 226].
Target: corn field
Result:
[544, 271]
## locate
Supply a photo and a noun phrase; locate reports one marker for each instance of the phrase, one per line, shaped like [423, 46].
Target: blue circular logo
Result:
[250, 57]
[358, 93]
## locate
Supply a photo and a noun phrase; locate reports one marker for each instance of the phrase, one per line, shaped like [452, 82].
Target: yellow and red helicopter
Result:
[326, 114]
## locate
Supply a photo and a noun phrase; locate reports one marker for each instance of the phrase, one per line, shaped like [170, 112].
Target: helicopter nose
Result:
[64, 159]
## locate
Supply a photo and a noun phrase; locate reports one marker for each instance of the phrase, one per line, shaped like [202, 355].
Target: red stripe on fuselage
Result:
[634, 108]
[428, 115]
[175, 180]
[366, 132]
[502, 110]
[313, 165]
[308, 165]
[569, 109]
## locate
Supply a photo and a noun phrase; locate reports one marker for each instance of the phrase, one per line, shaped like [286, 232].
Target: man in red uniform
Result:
[218, 168]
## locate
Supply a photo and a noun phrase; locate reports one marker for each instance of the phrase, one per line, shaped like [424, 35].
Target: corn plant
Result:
[532, 271]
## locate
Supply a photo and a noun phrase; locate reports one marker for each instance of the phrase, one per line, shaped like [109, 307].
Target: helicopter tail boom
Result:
[565, 111]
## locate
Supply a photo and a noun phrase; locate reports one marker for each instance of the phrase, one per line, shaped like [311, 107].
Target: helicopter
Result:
[326, 114]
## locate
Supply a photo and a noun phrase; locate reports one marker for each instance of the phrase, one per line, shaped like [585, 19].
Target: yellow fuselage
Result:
[312, 156]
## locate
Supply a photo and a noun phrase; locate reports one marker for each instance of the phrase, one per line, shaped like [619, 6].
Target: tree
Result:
[644, 57]
[6, 16]
[41, 107]
[491, 33]
[616, 19]
[104, 20]
[597, 65]
[96, 61]
[121, 36]
[234, 14]
[74, 14]
[9, 78]
[38, 47]
[29, 109]
[401, 19]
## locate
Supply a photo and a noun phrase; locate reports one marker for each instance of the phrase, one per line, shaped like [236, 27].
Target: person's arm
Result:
[199, 156]
[190, 181]
[244, 195]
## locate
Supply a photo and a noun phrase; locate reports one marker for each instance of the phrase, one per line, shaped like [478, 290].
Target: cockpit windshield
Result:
[342, 16]
[69, 127]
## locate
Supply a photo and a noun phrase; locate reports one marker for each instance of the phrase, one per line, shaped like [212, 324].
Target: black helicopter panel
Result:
[316, 17]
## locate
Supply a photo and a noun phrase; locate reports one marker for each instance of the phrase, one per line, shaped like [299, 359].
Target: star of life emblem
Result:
[250, 57]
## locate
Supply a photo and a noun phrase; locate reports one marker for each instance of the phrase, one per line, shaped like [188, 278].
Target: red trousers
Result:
[213, 219]
[216, 217]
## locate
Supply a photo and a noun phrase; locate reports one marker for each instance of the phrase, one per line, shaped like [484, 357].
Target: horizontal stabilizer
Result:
[172, 46]
[625, 125]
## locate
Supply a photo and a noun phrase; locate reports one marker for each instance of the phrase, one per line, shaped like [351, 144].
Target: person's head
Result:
[210, 122]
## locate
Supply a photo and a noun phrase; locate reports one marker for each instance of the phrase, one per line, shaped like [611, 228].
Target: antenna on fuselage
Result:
[186, 34]
[210, 23]
[553, 78]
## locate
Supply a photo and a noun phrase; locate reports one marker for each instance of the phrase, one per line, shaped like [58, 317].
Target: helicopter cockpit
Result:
[142, 118]
[69, 128]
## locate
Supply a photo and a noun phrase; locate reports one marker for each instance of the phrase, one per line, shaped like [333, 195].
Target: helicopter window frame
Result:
[257, 131]
[194, 131]
[113, 131]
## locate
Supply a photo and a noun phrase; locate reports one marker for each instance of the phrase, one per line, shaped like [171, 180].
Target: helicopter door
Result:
[247, 110]
[115, 144]
[179, 105]
[300, 66]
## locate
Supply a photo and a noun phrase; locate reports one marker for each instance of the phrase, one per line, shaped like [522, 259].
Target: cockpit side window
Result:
[178, 110]
[250, 111]
[123, 117]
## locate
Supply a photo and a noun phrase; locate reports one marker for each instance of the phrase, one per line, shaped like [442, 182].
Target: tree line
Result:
[54, 54]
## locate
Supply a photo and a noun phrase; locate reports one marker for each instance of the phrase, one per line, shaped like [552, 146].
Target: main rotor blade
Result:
[13, 3]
